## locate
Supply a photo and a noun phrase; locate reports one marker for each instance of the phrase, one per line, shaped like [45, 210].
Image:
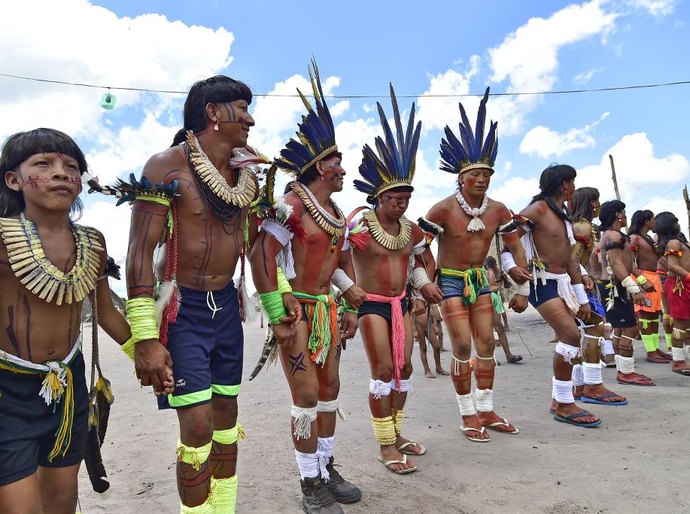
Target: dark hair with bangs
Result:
[22, 145]
[581, 203]
[639, 218]
[552, 179]
[218, 89]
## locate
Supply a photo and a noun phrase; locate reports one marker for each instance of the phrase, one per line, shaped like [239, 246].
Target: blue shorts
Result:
[28, 426]
[206, 347]
[540, 293]
[453, 287]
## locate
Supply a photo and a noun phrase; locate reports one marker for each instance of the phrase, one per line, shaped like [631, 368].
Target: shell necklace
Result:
[475, 224]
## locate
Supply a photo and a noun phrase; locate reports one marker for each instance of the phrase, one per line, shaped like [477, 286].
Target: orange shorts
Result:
[654, 297]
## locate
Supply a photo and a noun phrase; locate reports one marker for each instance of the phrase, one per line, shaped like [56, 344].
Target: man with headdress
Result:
[199, 334]
[381, 267]
[306, 236]
[625, 291]
[466, 224]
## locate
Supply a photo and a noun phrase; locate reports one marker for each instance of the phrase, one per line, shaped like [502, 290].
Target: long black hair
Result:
[22, 145]
[639, 218]
[217, 89]
[607, 213]
[581, 203]
[552, 179]
[667, 228]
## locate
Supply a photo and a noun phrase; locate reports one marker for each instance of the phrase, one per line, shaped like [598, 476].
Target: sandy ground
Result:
[632, 463]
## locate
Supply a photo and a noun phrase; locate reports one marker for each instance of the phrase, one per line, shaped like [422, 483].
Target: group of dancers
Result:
[207, 204]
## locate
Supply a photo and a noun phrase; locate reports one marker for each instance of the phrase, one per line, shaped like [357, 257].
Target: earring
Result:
[215, 127]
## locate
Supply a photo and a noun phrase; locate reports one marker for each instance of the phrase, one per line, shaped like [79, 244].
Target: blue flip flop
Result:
[579, 414]
[599, 400]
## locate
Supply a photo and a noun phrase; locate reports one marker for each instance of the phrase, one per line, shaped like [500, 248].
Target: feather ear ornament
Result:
[471, 150]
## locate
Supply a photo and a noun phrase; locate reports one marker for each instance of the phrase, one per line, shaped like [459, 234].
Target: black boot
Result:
[316, 498]
[342, 490]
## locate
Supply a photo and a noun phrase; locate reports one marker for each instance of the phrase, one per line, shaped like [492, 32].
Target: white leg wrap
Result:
[563, 390]
[686, 350]
[311, 464]
[625, 365]
[485, 400]
[608, 347]
[466, 404]
[592, 373]
[325, 445]
[678, 354]
[568, 352]
[331, 406]
[405, 386]
[304, 417]
[578, 376]
[379, 389]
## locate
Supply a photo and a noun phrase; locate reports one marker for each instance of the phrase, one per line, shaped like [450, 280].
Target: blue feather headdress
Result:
[316, 133]
[395, 164]
[472, 150]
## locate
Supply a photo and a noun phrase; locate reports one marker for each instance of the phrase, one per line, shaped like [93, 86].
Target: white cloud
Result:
[547, 143]
[585, 76]
[637, 168]
[657, 8]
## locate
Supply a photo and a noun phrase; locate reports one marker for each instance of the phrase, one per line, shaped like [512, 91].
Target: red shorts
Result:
[678, 302]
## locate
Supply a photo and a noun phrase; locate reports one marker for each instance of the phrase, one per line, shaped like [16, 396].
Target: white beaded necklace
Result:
[475, 224]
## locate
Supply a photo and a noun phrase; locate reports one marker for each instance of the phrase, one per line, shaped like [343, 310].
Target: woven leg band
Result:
[384, 430]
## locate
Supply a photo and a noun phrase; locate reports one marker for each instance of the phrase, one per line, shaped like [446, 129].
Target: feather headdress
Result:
[394, 165]
[472, 150]
[316, 134]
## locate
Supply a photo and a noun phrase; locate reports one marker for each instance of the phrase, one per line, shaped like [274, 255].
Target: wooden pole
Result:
[687, 204]
[613, 177]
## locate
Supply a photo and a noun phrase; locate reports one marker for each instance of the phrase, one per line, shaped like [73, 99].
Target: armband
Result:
[273, 305]
[507, 261]
[141, 312]
[346, 307]
[510, 227]
[581, 294]
[430, 226]
[523, 289]
[341, 280]
[630, 285]
[128, 348]
[642, 280]
[677, 253]
[419, 278]
[283, 284]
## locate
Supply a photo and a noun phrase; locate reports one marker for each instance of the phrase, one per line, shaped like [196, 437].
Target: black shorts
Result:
[622, 314]
[28, 426]
[382, 309]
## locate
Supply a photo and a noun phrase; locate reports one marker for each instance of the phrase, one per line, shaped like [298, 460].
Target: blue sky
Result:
[435, 47]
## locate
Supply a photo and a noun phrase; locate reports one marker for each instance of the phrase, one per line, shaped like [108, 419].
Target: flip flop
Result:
[403, 471]
[504, 423]
[570, 419]
[468, 430]
[657, 360]
[514, 359]
[599, 400]
[403, 448]
[637, 382]
[684, 371]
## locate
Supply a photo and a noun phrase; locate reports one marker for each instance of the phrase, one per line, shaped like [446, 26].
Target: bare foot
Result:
[601, 393]
[634, 379]
[473, 429]
[442, 371]
[664, 355]
[429, 374]
[681, 367]
[657, 358]
[390, 452]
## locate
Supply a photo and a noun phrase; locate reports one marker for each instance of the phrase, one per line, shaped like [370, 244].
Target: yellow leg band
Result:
[193, 456]
[397, 421]
[204, 508]
[384, 430]
[229, 435]
[224, 494]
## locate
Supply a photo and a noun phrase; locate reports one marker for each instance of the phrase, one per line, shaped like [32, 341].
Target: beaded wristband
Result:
[273, 305]
[141, 312]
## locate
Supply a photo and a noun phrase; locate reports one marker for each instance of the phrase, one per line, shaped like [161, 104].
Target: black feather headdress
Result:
[395, 163]
[316, 134]
[472, 150]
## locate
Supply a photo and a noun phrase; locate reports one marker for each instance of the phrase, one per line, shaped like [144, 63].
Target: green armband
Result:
[283, 284]
[642, 280]
[273, 305]
[141, 312]
[128, 348]
[346, 307]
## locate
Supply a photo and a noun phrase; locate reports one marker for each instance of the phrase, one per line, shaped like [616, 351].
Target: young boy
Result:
[48, 265]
